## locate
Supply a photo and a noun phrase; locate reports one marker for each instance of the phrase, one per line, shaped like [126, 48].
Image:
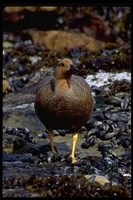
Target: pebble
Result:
[97, 178]
[43, 135]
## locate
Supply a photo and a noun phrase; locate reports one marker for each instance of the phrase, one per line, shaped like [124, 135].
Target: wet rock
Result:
[93, 131]
[11, 130]
[18, 193]
[45, 148]
[51, 157]
[36, 152]
[70, 40]
[76, 169]
[101, 146]
[20, 145]
[26, 131]
[105, 127]
[113, 143]
[112, 116]
[56, 133]
[98, 179]
[90, 124]
[109, 162]
[12, 158]
[85, 145]
[98, 115]
[106, 136]
[62, 132]
[126, 141]
[123, 117]
[91, 140]
[13, 112]
[122, 126]
[113, 101]
[109, 107]
[43, 135]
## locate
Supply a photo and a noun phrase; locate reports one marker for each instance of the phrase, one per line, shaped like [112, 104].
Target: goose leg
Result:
[51, 136]
[74, 141]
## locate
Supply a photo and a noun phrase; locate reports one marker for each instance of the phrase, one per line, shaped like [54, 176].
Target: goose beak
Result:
[73, 68]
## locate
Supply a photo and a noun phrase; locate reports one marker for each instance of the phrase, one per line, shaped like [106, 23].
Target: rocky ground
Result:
[99, 42]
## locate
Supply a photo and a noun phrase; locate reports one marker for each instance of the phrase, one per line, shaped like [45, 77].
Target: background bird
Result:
[64, 101]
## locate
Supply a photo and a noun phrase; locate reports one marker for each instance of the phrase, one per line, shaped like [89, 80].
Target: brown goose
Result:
[64, 101]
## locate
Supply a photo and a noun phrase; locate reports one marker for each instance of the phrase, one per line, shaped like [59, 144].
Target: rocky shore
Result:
[103, 152]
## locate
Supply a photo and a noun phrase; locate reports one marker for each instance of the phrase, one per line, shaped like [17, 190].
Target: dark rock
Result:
[26, 131]
[85, 145]
[98, 115]
[12, 131]
[36, 152]
[50, 157]
[113, 101]
[126, 143]
[20, 146]
[62, 132]
[112, 116]
[43, 135]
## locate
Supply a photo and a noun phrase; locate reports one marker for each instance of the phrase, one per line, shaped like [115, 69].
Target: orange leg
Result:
[51, 136]
[74, 141]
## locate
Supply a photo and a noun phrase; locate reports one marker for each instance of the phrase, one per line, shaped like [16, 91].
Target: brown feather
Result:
[64, 101]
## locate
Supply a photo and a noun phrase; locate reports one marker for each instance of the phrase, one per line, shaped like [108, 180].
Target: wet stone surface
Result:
[104, 147]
